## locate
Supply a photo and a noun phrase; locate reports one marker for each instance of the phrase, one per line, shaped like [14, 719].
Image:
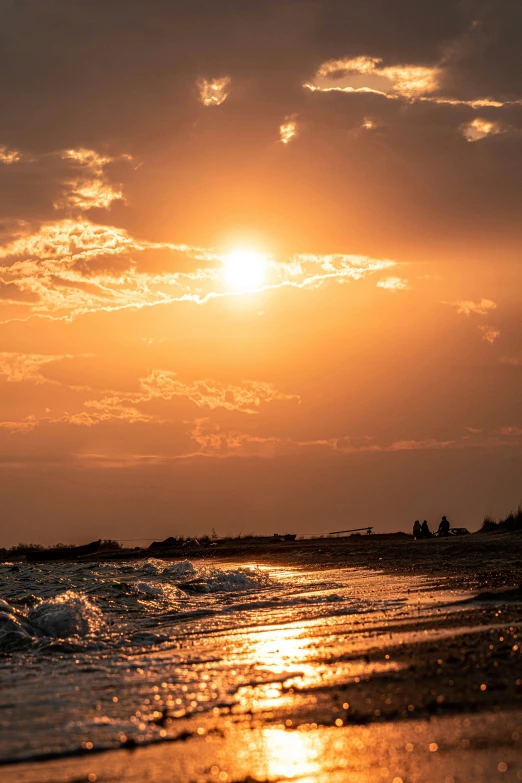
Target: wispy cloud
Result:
[131, 407]
[468, 307]
[513, 361]
[394, 284]
[408, 82]
[107, 409]
[19, 367]
[88, 187]
[489, 333]
[211, 441]
[70, 267]
[485, 307]
[247, 397]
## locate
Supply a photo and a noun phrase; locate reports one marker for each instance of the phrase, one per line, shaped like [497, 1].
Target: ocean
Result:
[103, 655]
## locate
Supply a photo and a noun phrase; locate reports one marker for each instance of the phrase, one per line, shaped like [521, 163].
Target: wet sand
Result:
[435, 699]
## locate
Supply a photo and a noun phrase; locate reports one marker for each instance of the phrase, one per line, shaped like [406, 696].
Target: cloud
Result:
[246, 398]
[480, 128]
[71, 267]
[9, 156]
[394, 284]
[510, 431]
[288, 129]
[484, 307]
[406, 81]
[90, 188]
[107, 409]
[19, 367]
[308, 270]
[409, 82]
[88, 195]
[19, 427]
[467, 307]
[74, 266]
[489, 333]
[214, 442]
[213, 92]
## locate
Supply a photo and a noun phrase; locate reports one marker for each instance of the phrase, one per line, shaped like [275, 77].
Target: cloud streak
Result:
[408, 82]
[405, 81]
[468, 307]
[74, 266]
[213, 442]
[246, 398]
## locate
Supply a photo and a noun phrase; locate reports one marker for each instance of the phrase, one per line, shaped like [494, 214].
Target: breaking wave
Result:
[67, 615]
[214, 580]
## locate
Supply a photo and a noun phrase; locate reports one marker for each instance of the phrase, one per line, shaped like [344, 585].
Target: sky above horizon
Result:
[259, 266]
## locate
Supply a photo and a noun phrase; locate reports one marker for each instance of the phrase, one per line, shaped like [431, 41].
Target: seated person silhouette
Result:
[417, 532]
[444, 527]
[425, 531]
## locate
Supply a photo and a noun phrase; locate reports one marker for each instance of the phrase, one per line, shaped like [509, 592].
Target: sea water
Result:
[99, 654]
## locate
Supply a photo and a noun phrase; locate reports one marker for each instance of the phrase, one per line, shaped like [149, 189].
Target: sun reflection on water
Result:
[291, 754]
[281, 649]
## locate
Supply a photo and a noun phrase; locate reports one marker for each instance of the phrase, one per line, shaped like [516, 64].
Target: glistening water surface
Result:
[95, 655]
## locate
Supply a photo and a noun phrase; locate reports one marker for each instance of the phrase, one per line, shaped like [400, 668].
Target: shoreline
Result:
[445, 674]
[475, 562]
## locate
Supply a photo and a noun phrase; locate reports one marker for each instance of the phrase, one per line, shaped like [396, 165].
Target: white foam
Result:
[214, 580]
[150, 566]
[180, 569]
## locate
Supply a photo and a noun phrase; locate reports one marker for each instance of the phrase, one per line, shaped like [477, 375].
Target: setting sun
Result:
[245, 269]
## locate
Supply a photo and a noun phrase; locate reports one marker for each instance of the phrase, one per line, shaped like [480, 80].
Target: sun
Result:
[245, 270]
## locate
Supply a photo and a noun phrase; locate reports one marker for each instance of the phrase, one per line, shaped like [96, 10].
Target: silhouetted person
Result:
[425, 531]
[417, 530]
[444, 527]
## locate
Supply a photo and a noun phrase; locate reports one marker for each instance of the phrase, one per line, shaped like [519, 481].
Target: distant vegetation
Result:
[20, 549]
[512, 522]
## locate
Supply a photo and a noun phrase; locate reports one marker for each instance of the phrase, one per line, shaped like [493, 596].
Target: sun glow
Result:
[245, 270]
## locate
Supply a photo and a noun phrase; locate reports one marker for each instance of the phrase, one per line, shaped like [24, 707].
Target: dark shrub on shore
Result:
[511, 523]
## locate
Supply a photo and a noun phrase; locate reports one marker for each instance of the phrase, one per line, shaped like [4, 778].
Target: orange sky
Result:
[259, 267]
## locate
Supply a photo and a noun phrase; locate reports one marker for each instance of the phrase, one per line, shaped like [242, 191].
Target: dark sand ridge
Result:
[450, 712]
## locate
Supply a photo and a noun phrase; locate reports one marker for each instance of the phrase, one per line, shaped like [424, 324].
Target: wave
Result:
[215, 580]
[153, 567]
[68, 614]
[65, 616]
